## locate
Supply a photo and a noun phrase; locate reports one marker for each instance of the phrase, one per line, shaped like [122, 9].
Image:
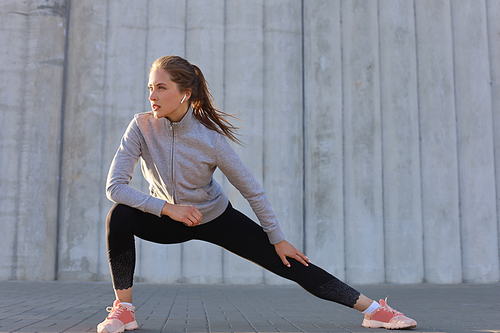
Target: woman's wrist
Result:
[165, 209]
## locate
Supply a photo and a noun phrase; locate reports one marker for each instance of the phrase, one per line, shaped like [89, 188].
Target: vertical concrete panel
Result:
[165, 36]
[82, 226]
[125, 93]
[13, 32]
[202, 262]
[364, 232]
[166, 30]
[125, 63]
[475, 142]
[243, 97]
[324, 204]
[40, 134]
[283, 132]
[439, 171]
[401, 148]
[493, 13]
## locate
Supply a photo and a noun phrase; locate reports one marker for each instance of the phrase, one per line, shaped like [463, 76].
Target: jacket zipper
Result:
[172, 162]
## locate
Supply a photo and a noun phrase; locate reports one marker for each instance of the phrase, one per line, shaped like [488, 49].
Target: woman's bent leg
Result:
[122, 224]
[121, 248]
[240, 235]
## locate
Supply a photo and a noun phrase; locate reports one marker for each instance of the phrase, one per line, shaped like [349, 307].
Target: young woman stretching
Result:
[180, 143]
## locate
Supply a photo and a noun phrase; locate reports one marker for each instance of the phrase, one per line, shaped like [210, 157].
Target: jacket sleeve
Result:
[120, 174]
[241, 177]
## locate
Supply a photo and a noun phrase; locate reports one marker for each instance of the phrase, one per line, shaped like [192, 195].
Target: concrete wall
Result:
[374, 127]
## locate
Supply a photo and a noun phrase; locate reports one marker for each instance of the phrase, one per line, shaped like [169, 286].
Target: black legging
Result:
[232, 230]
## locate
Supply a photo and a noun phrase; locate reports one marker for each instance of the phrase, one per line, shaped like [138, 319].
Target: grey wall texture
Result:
[374, 127]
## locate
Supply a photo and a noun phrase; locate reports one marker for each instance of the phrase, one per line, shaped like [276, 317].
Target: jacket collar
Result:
[182, 126]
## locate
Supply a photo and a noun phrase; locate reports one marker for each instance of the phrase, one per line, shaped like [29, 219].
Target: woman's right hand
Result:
[189, 215]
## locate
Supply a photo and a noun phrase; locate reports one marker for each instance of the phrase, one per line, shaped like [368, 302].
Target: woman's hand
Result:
[285, 249]
[189, 215]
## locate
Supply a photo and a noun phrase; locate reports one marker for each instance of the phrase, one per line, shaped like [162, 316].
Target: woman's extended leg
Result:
[240, 235]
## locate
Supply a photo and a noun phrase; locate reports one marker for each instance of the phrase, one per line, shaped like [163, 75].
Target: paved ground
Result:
[79, 307]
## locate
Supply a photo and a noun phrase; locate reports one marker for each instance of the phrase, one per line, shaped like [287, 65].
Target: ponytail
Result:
[205, 109]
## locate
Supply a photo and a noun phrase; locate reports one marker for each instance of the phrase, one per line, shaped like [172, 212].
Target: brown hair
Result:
[189, 77]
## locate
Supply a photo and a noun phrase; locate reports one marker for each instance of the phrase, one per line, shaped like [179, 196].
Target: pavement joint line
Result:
[249, 322]
[170, 311]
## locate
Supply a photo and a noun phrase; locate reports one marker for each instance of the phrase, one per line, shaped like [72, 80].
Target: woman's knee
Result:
[119, 235]
[118, 215]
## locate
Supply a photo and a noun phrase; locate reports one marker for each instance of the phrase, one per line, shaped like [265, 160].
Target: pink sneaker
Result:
[387, 317]
[121, 317]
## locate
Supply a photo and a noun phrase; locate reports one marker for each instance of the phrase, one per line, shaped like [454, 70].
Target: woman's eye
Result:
[158, 87]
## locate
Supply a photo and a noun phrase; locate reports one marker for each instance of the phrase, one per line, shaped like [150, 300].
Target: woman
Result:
[180, 143]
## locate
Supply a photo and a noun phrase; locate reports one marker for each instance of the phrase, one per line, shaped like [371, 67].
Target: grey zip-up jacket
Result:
[178, 161]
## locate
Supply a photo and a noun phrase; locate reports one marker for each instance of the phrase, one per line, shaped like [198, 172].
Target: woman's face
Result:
[165, 96]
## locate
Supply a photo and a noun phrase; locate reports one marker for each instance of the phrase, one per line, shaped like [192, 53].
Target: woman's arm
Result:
[120, 174]
[241, 177]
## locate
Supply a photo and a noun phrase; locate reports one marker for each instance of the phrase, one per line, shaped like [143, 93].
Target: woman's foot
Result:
[121, 317]
[387, 317]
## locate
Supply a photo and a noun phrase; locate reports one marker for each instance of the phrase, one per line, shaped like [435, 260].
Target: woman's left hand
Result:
[285, 249]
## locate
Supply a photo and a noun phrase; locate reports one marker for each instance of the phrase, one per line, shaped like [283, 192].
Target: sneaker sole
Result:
[389, 326]
[127, 327]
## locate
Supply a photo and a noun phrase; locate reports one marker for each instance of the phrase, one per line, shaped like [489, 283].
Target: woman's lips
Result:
[155, 110]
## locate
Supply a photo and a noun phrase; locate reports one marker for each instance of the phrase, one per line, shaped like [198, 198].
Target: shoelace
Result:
[396, 312]
[114, 312]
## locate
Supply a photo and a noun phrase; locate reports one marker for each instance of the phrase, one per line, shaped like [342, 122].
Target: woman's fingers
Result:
[193, 216]
[198, 216]
[187, 214]
[285, 249]
[285, 262]
[300, 257]
[304, 257]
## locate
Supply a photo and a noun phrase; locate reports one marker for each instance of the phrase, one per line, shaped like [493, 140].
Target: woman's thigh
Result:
[125, 221]
[237, 233]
